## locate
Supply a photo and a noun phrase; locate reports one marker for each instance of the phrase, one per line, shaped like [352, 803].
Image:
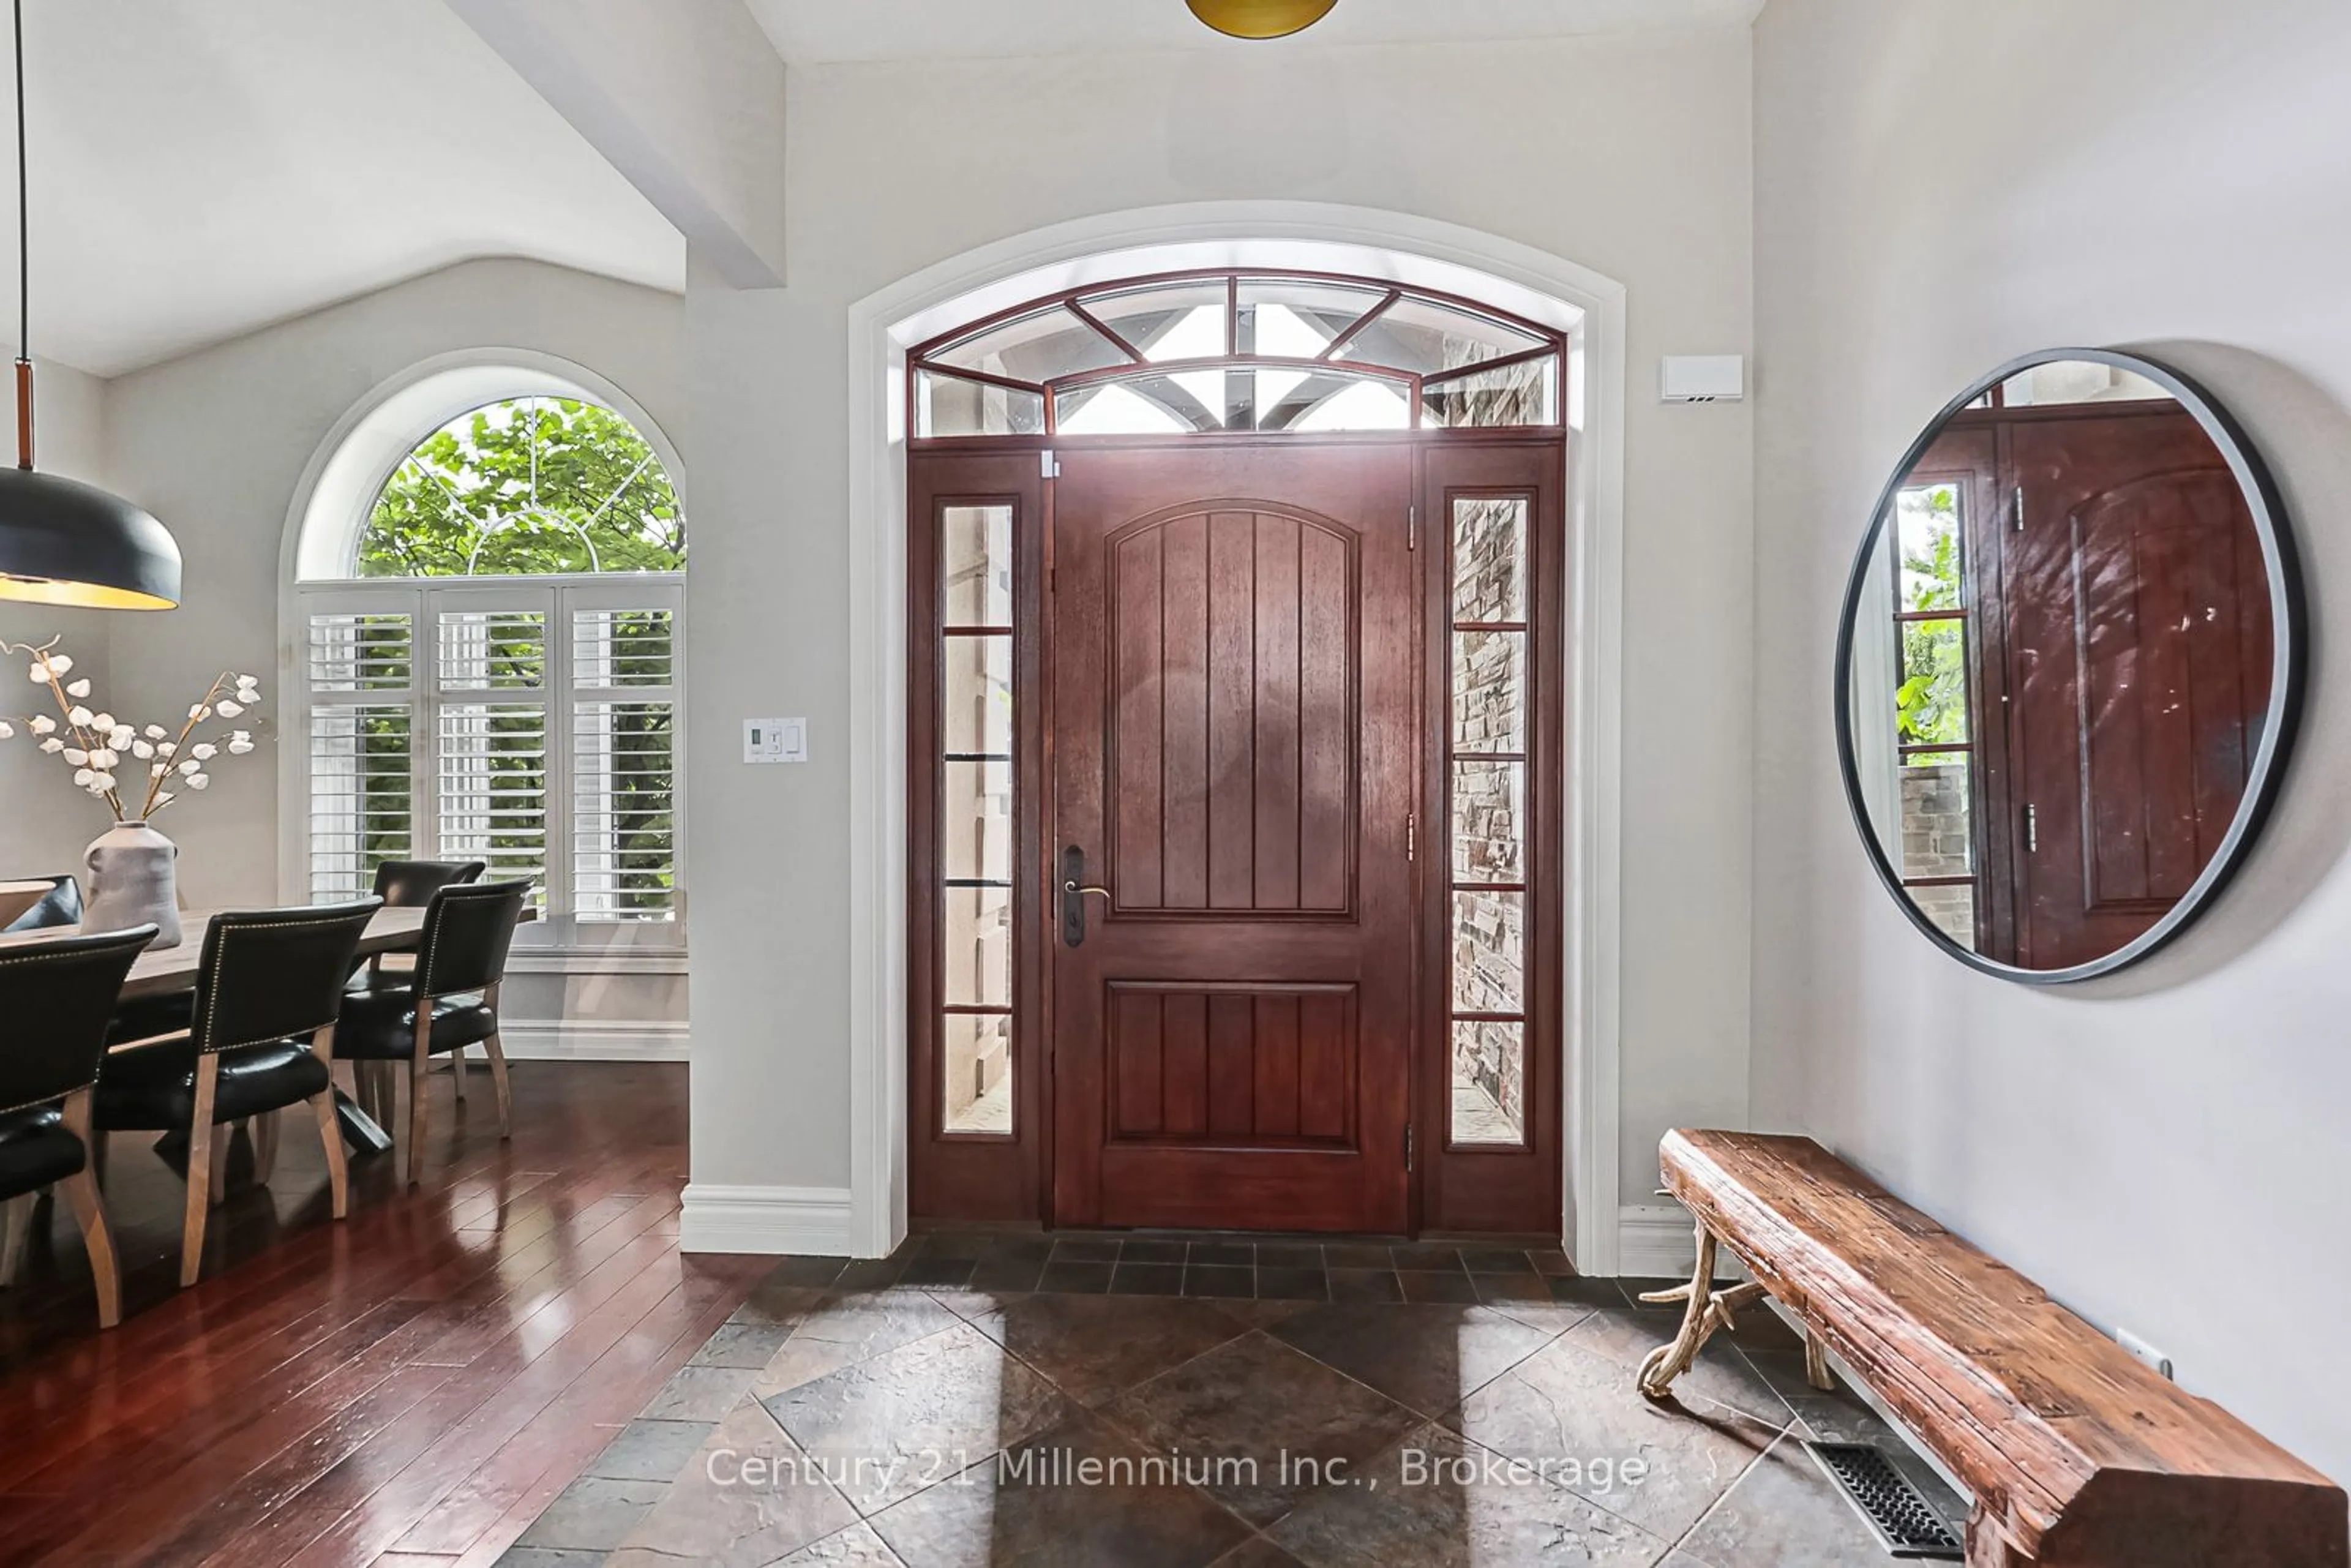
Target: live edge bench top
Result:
[2075, 1452]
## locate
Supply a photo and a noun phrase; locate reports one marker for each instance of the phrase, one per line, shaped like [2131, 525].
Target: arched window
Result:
[526, 487]
[1260, 352]
[494, 653]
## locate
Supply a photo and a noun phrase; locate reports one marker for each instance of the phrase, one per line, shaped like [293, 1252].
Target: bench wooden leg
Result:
[1816, 1364]
[1705, 1310]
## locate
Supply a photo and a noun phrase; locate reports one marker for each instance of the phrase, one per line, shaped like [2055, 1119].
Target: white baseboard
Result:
[592, 1039]
[1657, 1241]
[777, 1220]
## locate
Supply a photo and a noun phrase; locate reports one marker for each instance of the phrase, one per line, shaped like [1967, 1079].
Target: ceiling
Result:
[808, 32]
[201, 168]
[204, 167]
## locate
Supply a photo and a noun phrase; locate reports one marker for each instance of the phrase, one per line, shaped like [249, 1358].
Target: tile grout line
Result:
[1680, 1542]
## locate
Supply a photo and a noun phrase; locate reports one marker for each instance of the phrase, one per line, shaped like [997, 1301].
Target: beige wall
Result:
[1938, 187]
[1629, 156]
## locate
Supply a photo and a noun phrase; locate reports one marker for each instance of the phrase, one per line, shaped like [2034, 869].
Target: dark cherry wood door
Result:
[2138, 636]
[1235, 738]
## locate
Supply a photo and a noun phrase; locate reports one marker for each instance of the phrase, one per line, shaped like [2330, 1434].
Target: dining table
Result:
[172, 971]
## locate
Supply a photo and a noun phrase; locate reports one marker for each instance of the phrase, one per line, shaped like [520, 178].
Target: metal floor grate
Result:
[1904, 1523]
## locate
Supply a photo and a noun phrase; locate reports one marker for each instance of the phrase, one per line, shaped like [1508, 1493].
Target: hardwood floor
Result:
[411, 1386]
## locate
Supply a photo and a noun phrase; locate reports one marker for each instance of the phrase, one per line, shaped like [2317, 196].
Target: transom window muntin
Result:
[1236, 351]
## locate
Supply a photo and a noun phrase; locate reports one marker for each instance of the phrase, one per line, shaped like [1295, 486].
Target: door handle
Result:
[1074, 889]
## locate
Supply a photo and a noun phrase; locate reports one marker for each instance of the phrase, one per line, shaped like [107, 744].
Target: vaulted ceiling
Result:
[204, 167]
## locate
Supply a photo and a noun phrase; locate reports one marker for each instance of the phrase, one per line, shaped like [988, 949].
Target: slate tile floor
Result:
[1190, 1401]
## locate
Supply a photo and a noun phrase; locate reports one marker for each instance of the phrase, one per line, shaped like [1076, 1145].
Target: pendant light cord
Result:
[23, 209]
[23, 267]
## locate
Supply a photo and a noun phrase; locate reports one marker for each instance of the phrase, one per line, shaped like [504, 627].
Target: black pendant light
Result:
[62, 541]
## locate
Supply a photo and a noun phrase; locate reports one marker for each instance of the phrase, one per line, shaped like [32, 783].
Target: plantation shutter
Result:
[360, 666]
[624, 660]
[493, 669]
[532, 723]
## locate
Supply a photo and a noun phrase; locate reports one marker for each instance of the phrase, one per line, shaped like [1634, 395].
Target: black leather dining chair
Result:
[61, 905]
[451, 1002]
[404, 885]
[269, 987]
[409, 884]
[56, 998]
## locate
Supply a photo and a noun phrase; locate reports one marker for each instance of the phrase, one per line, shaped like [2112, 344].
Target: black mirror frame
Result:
[2288, 655]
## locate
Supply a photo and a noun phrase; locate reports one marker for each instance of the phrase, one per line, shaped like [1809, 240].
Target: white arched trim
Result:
[1400, 248]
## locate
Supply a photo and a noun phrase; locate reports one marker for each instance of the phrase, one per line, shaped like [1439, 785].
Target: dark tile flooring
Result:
[1246, 1402]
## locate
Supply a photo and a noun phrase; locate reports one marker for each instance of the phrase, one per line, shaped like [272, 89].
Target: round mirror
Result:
[2069, 664]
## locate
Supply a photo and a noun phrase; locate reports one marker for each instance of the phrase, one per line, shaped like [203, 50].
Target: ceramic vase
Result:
[133, 881]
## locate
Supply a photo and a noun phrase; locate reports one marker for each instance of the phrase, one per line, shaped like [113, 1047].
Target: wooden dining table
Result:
[172, 971]
[168, 971]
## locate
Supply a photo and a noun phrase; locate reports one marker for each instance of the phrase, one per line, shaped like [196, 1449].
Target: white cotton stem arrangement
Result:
[100, 749]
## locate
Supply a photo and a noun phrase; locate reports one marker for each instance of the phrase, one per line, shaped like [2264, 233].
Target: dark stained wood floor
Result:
[409, 1388]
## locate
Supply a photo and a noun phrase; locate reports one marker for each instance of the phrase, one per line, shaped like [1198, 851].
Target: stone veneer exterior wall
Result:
[1937, 841]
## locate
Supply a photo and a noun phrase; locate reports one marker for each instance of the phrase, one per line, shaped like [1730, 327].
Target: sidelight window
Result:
[1486, 816]
[976, 727]
[1934, 745]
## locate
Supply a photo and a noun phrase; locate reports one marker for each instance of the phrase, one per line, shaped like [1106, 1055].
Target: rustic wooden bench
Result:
[2077, 1455]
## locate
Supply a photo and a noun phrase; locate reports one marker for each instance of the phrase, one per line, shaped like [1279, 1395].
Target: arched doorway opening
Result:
[1236, 728]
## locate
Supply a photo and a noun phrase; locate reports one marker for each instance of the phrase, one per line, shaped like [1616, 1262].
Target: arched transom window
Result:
[1236, 351]
[495, 669]
[525, 487]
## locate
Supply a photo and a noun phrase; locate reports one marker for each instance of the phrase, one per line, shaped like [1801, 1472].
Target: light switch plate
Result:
[775, 740]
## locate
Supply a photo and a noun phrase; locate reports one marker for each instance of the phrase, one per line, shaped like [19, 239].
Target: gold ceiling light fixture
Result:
[1260, 19]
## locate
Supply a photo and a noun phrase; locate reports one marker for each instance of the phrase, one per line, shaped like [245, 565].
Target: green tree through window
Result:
[1932, 703]
[523, 488]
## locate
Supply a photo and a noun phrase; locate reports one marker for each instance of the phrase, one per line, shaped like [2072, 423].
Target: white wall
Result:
[215, 443]
[1630, 156]
[44, 819]
[1938, 187]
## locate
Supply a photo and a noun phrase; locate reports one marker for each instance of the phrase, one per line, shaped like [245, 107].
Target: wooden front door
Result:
[1235, 732]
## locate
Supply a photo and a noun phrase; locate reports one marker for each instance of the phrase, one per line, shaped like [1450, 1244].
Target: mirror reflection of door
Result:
[1235, 680]
[2079, 643]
